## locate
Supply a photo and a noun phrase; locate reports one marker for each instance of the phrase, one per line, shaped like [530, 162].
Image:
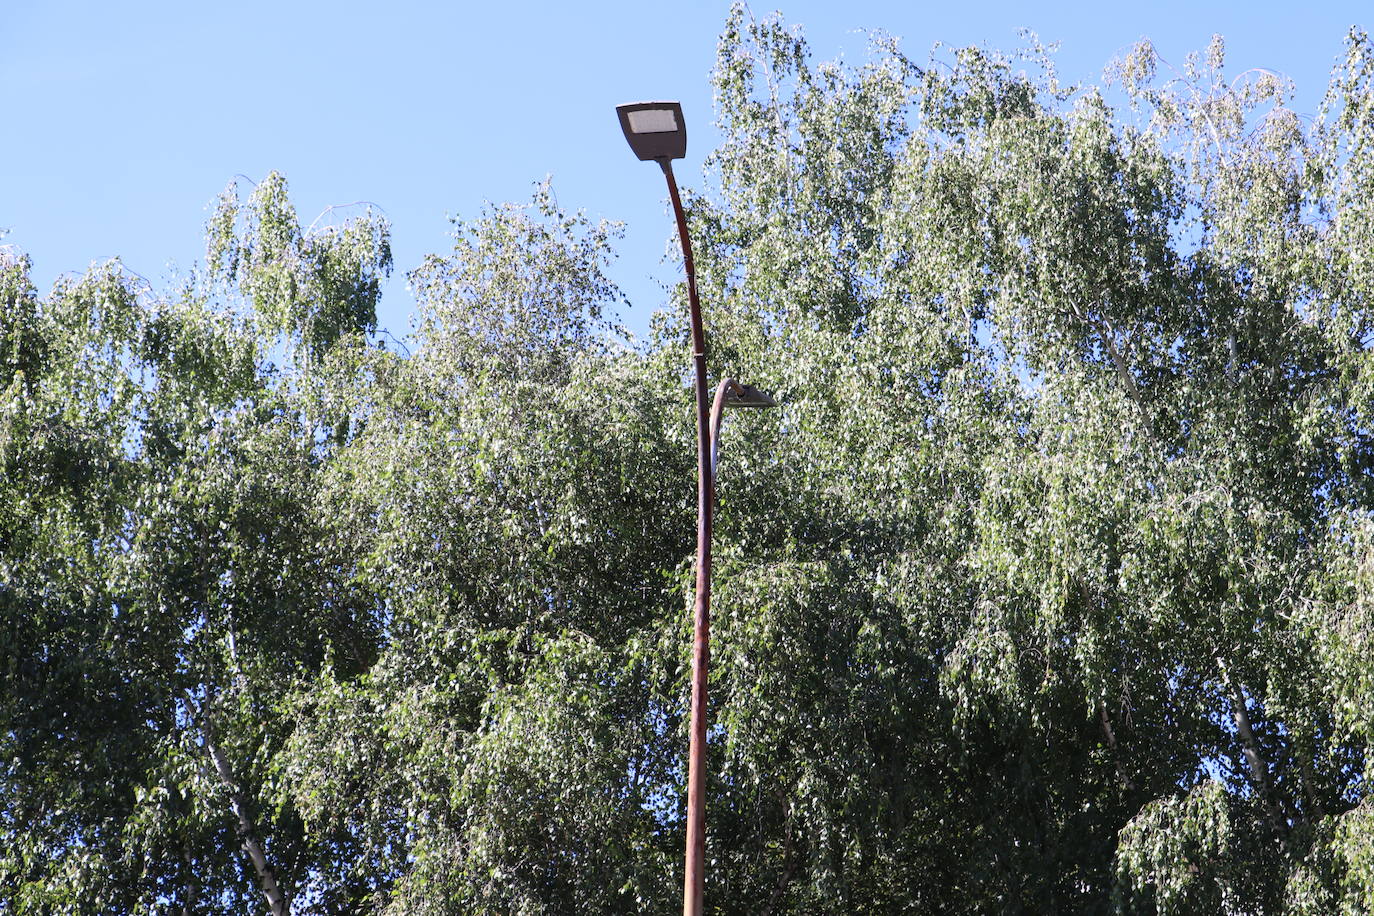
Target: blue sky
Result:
[123, 121]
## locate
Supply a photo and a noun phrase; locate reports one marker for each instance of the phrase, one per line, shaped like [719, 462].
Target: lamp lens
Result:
[653, 121]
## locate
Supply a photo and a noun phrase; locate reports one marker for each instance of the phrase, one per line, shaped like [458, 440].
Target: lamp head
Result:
[748, 396]
[655, 130]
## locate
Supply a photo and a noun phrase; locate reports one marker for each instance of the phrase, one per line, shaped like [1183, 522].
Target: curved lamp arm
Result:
[729, 386]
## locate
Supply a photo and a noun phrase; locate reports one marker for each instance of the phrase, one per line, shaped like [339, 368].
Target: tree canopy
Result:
[1049, 588]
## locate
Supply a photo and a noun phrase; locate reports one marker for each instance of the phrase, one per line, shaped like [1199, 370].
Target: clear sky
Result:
[120, 122]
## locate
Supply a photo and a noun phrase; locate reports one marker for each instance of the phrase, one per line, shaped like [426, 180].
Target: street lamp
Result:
[657, 132]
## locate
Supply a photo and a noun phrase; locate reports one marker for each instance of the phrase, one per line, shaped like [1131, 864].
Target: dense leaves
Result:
[1047, 589]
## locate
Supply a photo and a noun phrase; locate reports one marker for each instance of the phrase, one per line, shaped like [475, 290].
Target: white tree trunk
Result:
[248, 832]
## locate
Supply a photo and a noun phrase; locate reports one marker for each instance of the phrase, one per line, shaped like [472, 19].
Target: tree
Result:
[166, 582]
[1047, 589]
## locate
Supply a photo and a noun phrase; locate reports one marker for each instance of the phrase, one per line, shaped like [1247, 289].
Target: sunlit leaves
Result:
[1046, 589]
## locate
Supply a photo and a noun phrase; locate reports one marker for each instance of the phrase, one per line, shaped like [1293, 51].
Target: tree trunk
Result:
[191, 889]
[247, 831]
[1126, 781]
[1250, 750]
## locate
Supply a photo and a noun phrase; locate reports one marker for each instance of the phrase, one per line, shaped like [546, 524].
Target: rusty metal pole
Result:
[694, 872]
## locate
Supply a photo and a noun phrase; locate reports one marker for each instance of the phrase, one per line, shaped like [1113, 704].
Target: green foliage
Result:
[1047, 589]
[165, 584]
[313, 287]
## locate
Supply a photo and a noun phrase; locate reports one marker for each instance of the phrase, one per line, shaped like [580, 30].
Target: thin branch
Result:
[332, 207]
